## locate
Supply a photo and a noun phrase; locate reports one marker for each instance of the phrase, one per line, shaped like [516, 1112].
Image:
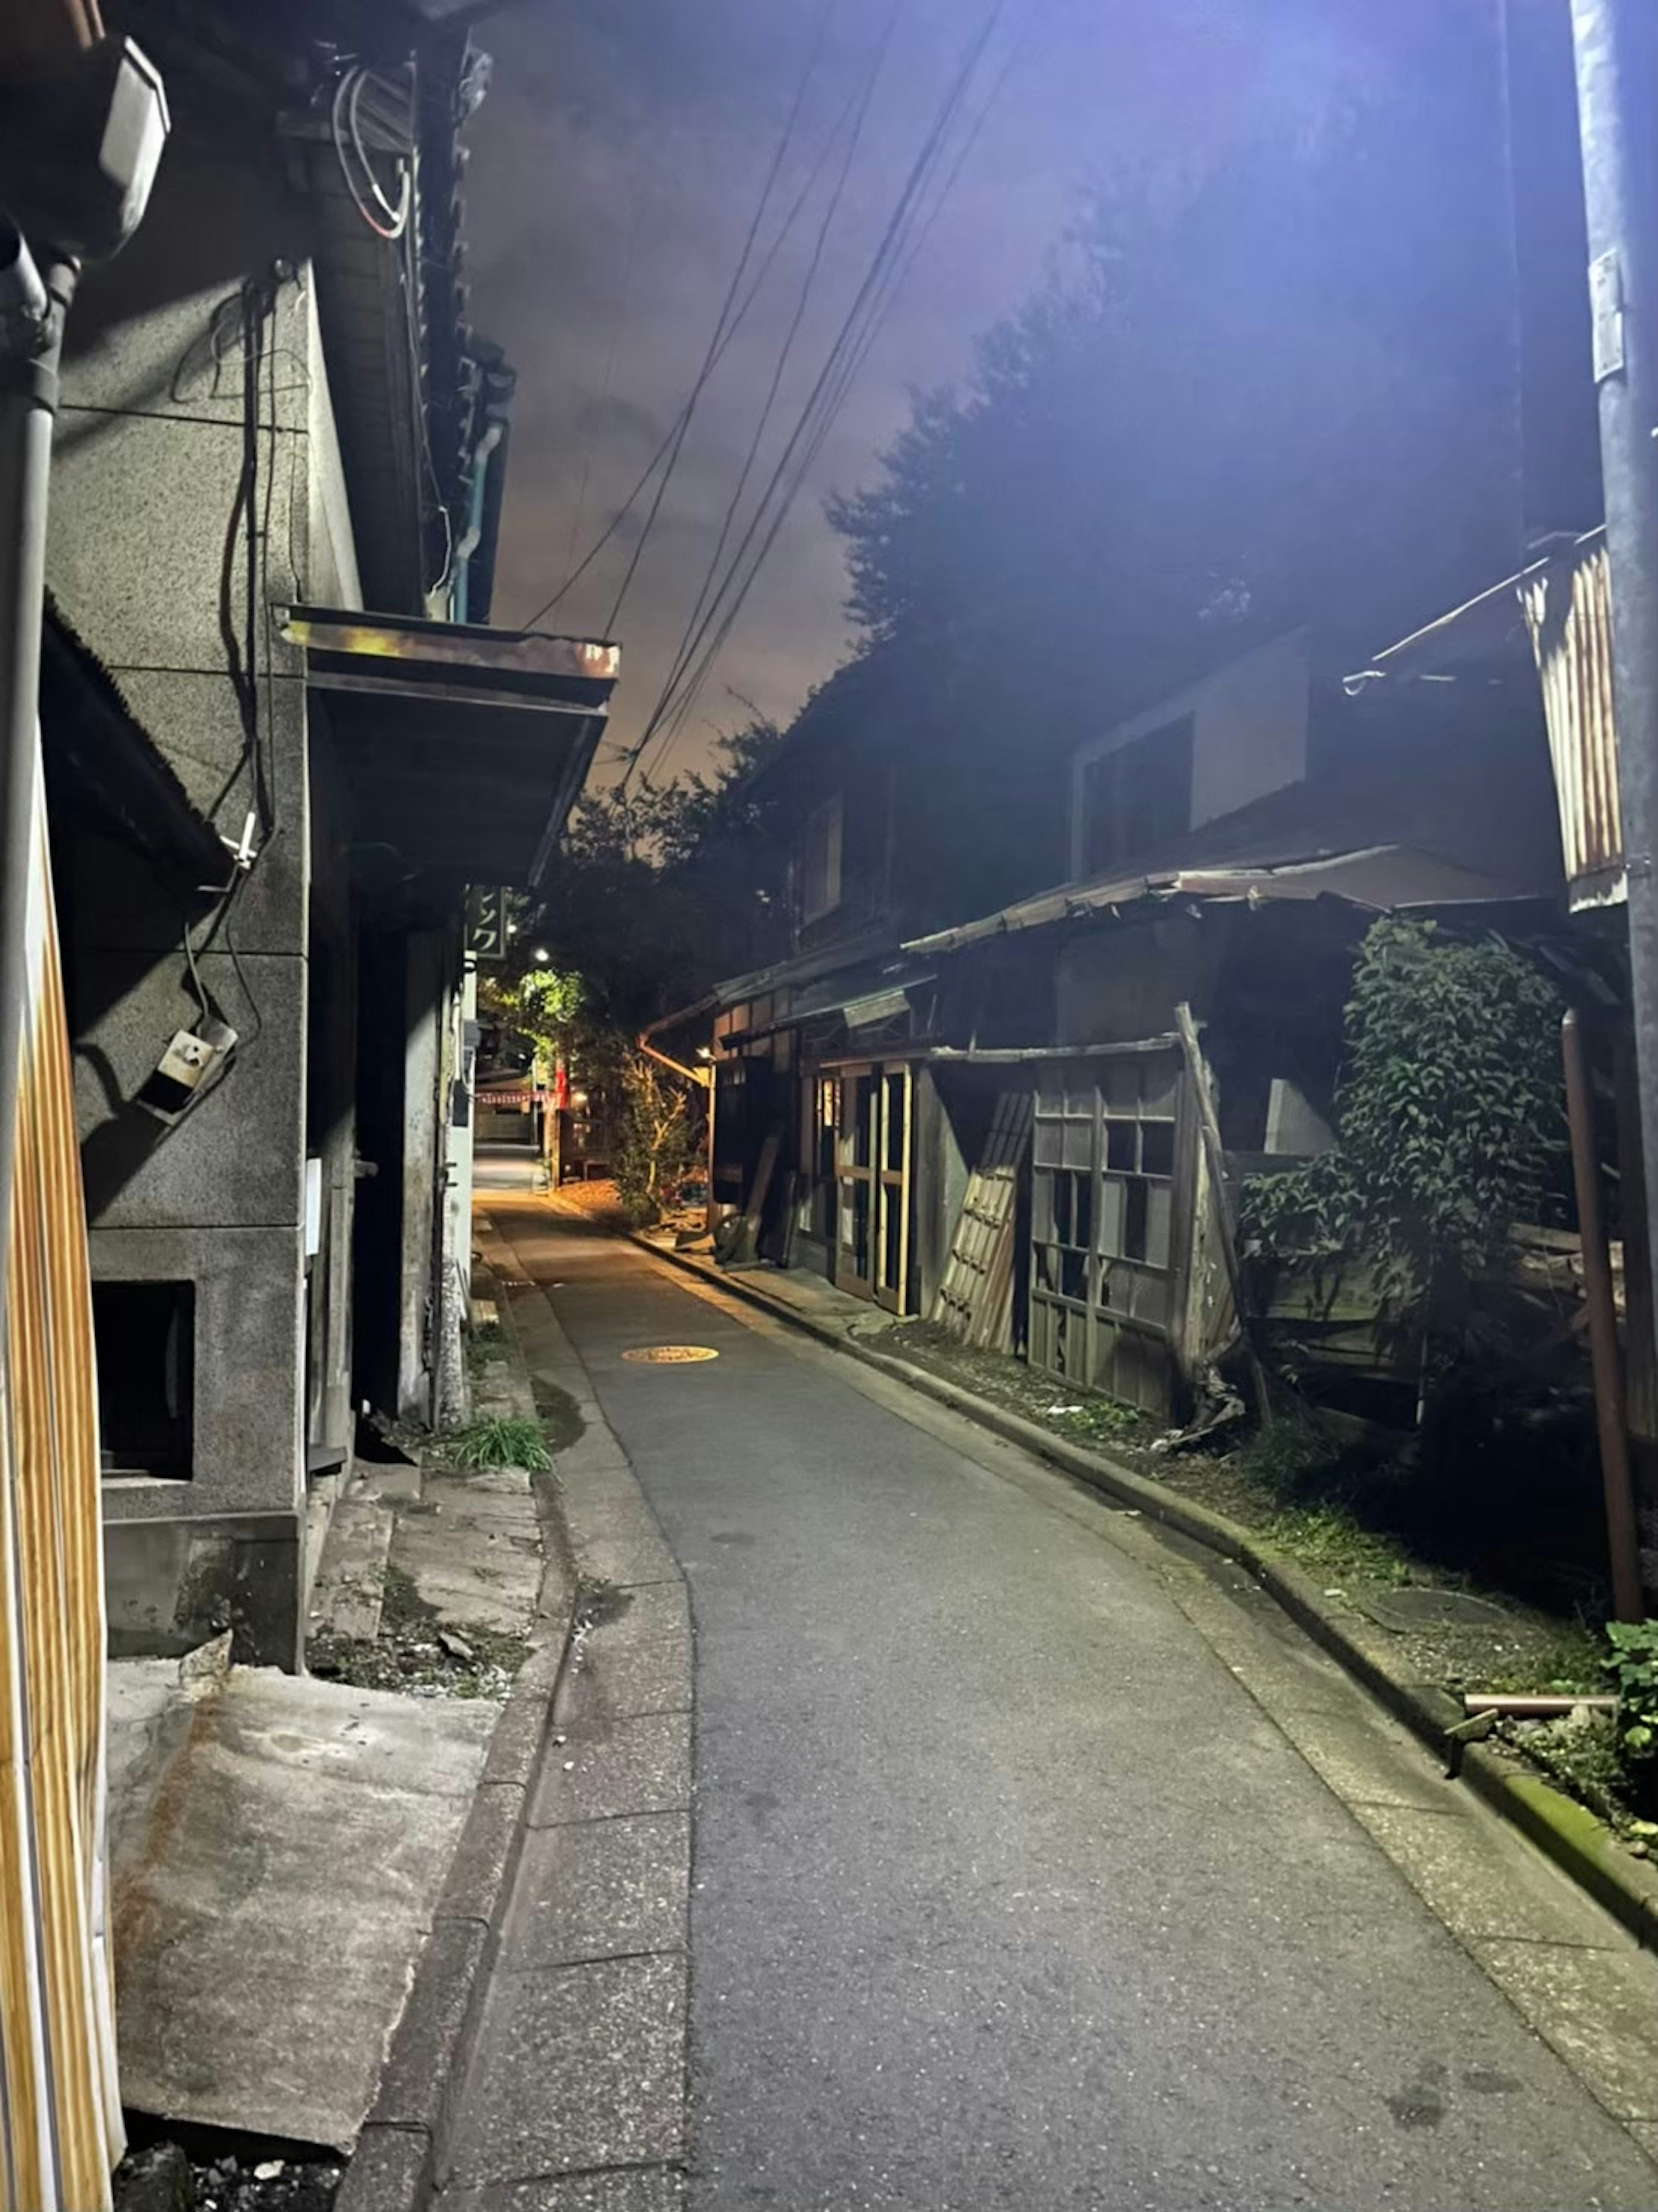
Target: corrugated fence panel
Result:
[59, 2100]
[1568, 607]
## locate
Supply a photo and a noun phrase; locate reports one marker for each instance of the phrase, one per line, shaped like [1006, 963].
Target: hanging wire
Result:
[877, 62]
[846, 355]
[390, 222]
[784, 230]
[726, 310]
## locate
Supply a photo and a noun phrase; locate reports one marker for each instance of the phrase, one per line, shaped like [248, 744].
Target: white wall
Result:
[1248, 737]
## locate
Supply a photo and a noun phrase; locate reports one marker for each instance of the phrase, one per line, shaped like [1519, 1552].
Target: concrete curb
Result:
[400, 2149]
[1566, 1831]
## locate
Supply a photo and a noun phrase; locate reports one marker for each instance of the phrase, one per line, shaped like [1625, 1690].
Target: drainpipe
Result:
[80, 149]
[32, 311]
[473, 533]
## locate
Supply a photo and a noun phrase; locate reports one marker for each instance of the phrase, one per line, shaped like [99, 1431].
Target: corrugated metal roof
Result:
[1568, 610]
[800, 969]
[1378, 876]
[1562, 604]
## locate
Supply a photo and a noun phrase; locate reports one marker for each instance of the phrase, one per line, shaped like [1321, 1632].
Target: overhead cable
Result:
[846, 352]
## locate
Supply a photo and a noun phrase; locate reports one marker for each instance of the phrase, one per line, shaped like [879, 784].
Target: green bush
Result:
[1633, 1665]
[1450, 1116]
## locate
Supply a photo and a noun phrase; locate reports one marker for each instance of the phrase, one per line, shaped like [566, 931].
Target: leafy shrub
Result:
[658, 1145]
[1450, 1114]
[1633, 1666]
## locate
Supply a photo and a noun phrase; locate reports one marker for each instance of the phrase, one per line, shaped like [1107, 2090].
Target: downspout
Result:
[471, 536]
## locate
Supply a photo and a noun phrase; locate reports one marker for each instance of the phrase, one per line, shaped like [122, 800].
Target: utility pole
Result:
[1616, 47]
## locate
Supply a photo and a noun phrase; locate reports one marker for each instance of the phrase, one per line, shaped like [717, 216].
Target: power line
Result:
[727, 307]
[863, 97]
[679, 714]
[617, 327]
[748, 298]
[846, 355]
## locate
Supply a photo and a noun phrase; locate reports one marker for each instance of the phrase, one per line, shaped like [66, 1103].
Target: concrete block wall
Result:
[147, 563]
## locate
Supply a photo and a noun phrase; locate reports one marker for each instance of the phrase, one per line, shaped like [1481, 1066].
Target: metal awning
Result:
[464, 747]
[1556, 613]
[858, 995]
[1381, 877]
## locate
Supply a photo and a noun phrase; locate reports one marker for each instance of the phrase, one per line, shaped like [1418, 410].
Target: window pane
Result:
[1073, 1276]
[1133, 1224]
[1157, 1147]
[1082, 1201]
[1160, 1200]
[1119, 1145]
[1079, 1144]
[1111, 1213]
[892, 1208]
[895, 1120]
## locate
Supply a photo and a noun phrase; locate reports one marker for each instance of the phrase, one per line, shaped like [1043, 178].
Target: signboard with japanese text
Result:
[486, 923]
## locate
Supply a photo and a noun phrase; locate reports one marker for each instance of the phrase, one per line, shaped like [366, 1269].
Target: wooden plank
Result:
[60, 2113]
[759, 1190]
[974, 1300]
[1209, 1128]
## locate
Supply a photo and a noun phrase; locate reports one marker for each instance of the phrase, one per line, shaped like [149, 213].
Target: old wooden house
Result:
[995, 1124]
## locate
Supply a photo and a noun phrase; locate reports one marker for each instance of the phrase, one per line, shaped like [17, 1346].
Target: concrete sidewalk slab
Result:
[573, 2098]
[613, 1767]
[595, 1889]
[279, 1850]
[578, 2068]
[640, 2189]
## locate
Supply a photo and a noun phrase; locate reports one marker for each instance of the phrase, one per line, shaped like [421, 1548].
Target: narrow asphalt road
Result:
[1005, 1892]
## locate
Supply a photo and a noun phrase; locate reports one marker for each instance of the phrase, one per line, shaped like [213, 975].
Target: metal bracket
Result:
[1606, 315]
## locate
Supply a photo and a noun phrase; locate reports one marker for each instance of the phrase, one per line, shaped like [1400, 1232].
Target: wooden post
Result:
[1622, 1544]
[1214, 1152]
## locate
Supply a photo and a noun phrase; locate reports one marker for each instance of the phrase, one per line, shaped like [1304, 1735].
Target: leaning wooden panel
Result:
[61, 2109]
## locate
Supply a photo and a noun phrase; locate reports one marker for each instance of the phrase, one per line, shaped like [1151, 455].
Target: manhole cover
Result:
[1405, 1609]
[670, 1355]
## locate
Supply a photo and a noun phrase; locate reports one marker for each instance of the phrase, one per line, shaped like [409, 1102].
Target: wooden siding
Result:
[59, 2103]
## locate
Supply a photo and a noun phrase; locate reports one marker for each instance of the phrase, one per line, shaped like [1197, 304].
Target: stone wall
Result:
[149, 563]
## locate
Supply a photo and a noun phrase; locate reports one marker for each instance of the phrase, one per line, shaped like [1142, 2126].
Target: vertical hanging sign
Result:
[486, 923]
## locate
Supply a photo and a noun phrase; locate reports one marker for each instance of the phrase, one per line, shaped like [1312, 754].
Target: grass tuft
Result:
[497, 1440]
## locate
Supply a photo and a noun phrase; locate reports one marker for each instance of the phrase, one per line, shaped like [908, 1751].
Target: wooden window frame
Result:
[1091, 1291]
